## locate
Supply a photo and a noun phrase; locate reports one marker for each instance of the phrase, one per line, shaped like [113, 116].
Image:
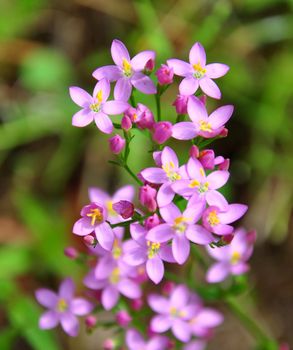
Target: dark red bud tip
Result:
[124, 208]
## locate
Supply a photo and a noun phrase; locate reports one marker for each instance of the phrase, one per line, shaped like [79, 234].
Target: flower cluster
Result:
[134, 239]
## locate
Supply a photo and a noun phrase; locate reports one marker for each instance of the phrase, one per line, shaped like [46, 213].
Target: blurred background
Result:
[47, 165]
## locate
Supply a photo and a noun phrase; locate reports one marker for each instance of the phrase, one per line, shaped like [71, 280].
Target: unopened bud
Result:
[124, 208]
[89, 240]
[136, 304]
[150, 65]
[165, 75]
[162, 132]
[207, 159]
[147, 197]
[71, 252]
[123, 318]
[90, 321]
[194, 152]
[181, 104]
[116, 143]
[224, 132]
[152, 221]
[109, 344]
[126, 123]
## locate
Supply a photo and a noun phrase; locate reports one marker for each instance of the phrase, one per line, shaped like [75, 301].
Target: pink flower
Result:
[96, 108]
[162, 132]
[123, 318]
[165, 75]
[62, 308]
[180, 228]
[231, 259]
[127, 72]
[139, 251]
[142, 116]
[116, 143]
[202, 124]
[181, 104]
[135, 341]
[197, 73]
[147, 197]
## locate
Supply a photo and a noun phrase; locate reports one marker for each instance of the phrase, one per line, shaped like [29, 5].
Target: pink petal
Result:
[81, 307]
[104, 267]
[161, 233]
[69, 323]
[129, 288]
[217, 273]
[98, 196]
[143, 83]
[46, 298]
[180, 68]
[184, 131]
[137, 231]
[197, 55]
[199, 235]
[239, 269]
[104, 86]
[158, 303]
[216, 198]
[134, 254]
[182, 187]
[170, 212]
[124, 193]
[115, 107]
[188, 86]
[112, 73]
[103, 122]
[169, 156]
[219, 253]
[48, 320]
[155, 269]
[216, 70]
[160, 323]
[105, 236]
[196, 110]
[180, 249]
[210, 88]
[220, 116]
[166, 254]
[209, 318]
[119, 52]
[195, 211]
[134, 340]
[91, 282]
[66, 289]
[218, 179]
[180, 296]
[82, 118]
[195, 170]
[122, 90]
[181, 330]
[139, 61]
[80, 96]
[165, 195]
[154, 175]
[195, 345]
[157, 343]
[223, 230]
[109, 298]
[234, 212]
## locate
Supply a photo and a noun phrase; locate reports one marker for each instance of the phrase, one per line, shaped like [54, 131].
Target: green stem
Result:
[131, 173]
[128, 222]
[158, 104]
[132, 99]
[117, 126]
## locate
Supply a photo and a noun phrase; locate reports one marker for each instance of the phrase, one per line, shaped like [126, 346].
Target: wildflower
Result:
[135, 341]
[165, 75]
[180, 228]
[141, 116]
[127, 72]
[116, 143]
[202, 124]
[232, 258]
[96, 108]
[140, 251]
[162, 132]
[62, 308]
[197, 73]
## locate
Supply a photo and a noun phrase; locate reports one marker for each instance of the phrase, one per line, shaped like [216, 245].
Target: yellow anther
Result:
[199, 71]
[116, 251]
[235, 258]
[194, 183]
[180, 223]
[109, 206]
[100, 96]
[205, 126]
[213, 218]
[62, 305]
[153, 249]
[201, 172]
[115, 276]
[126, 67]
[96, 215]
[173, 311]
[170, 172]
[135, 117]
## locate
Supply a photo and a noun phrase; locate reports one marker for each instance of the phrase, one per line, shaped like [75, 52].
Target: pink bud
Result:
[225, 165]
[251, 237]
[144, 117]
[152, 221]
[224, 132]
[71, 252]
[171, 344]
[207, 159]
[157, 156]
[126, 123]
[227, 239]
[136, 304]
[203, 99]
[165, 75]
[168, 287]
[90, 321]
[162, 132]
[284, 346]
[194, 152]
[124, 208]
[181, 104]
[108, 344]
[147, 197]
[150, 65]
[116, 143]
[123, 318]
[89, 240]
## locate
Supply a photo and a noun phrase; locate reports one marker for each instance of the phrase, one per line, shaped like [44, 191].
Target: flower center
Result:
[96, 215]
[235, 258]
[199, 71]
[153, 249]
[116, 251]
[115, 276]
[176, 313]
[96, 107]
[205, 126]
[180, 224]
[126, 66]
[172, 174]
[62, 305]
[213, 218]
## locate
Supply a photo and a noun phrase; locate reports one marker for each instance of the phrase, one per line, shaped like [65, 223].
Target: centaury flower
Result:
[135, 341]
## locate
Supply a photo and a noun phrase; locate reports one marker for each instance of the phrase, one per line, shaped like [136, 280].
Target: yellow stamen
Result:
[62, 305]
[194, 183]
[100, 96]
[126, 66]
[154, 248]
[115, 276]
[205, 126]
[109, 205]
[235, 258]
[213, 218]
[116, 251]
[171, 173]
[96, 215]
[135, 117]
[199, 71]
[180, 224]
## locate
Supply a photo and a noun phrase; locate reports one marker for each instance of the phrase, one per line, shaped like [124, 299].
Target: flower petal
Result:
[80, 96]
[217, 179]
[220, 116]
[122, 90]
[184, 131]
[81, 307]
[143, 83]
[217, 273]
[66, 289]
[216, 198]
[197, 55]
[83, 227]
[103, 122]
[169, 156]
[115, 107]
[105, 88]
[105, 236]
[154, 175]
[98, 196]
[199, 235]
[82, 118]
[159, 303]
[111, 72]
[161, 233]
[180, 68]
[119, 52]
[210, 88]
[48, 320]
[69, 323]
[170, 212]
[124, 193]
[209, 318]
[134, 254]
[181, 330]
[129, 288]
[188, 86]
[216, 70]
[104, 267]
[234, 212]
[180, 249]
[195, 170]
[165, 195]
[180, 296]
[196, 110]
[160, 323]
[155, 269]
[139, 61]
[109, 298]
[134, 340]
[46, 298]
